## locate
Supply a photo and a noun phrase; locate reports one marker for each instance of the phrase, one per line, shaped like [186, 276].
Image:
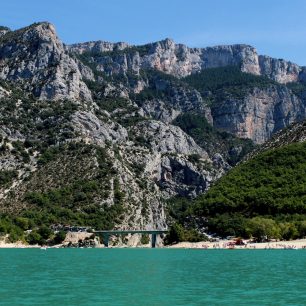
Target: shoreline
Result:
[229, 244]
[223, 244]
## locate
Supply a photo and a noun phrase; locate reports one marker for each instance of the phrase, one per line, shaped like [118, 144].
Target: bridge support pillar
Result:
[105, 240]
[153, 241]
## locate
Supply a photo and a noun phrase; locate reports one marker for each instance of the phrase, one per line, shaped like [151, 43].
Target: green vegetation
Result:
[218, 84]
[182, 229]
[69, 205]
[59, 237]
[7, 176]
[265, 196]
[160, 86]
[298, 88]
[178, 233]
[212, 140]
[76, 201]
[44, 122]
[9, 226]
[145, 239]
[111, 104]
[118, 194]
[73, 205]
[2, 28]
[19, 150]
[48, 155]
[121, 109]
[142, 50]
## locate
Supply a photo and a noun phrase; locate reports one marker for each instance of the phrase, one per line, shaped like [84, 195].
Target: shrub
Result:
[145, 239]
[7, 176]
[59, 237]
[34, 238]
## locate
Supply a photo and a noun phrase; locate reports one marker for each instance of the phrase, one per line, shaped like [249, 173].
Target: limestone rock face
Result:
[171, 58]
[120, 132]
[97, 46]
[180, 60]
[279, 70]
[232, 55]
[168, 162]
[260, 114]
[35, 57]
[4, 92]
[179, 100]
[86, 72]
[166, 138]
[93, 130]
[180, 177]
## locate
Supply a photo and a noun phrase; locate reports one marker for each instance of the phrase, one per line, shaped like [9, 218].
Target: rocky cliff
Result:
[180, 61]
[36, 58]
[104, 134]
[259, 114]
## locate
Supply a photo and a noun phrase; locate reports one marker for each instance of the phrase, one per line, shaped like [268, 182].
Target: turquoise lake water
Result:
[152, 277]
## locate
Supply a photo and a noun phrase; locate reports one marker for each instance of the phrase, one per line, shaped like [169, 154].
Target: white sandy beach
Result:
[18, 244]
[293, 244]
[225, 244]
[222, 244]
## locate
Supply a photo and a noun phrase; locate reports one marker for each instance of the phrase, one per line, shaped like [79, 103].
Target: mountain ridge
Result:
[106, 139]
[250, 60]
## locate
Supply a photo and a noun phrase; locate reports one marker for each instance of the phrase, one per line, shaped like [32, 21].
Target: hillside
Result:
[106, 134]
[264, 196]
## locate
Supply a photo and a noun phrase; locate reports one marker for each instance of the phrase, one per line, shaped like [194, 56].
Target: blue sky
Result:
[275, 27]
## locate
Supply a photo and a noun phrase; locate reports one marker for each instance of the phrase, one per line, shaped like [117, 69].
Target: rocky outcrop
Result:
[279, 70]
[4, 30]
[4, 92]
[36, 58]
[294, 133]
[233, 55]
[167, 138]
[168, 162]
[93, 130]
[115, 145]
[260, 114]
[179, 99]
[97, 46]
[180, 60]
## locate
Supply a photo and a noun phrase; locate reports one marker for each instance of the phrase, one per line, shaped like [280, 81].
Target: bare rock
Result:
[93, 130]
[35, 57]
[260, 114]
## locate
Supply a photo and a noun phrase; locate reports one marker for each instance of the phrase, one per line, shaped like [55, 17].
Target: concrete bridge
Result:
[154, 233]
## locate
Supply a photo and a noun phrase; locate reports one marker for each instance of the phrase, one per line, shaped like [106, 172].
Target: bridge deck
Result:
[116, 232]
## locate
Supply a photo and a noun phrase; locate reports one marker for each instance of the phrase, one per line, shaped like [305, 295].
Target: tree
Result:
[59, 237]
[34, 238]
[22, 222]
[302, 228]
[176, 234]
[263, 229]
[288, 231]
[145, 239]
[44, 232]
